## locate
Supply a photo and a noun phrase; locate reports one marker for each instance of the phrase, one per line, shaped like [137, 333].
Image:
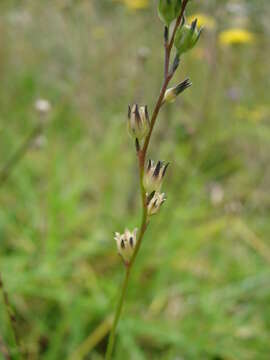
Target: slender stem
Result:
[18, 154]
[129, 265]
[155, 114]
[11, 316]
[117, 315]
[167, 78]
[141, 161]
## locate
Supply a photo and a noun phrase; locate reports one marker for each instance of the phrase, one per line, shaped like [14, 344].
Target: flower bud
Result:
[126, 244]
[172, 93]
[153, 176]
[138, 121]
[154, 202]
[168, 10]
[186, 37]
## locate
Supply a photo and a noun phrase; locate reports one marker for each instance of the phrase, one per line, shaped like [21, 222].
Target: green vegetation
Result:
[200, 287]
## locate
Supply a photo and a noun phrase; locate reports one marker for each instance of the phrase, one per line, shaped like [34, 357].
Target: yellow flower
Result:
[257, 114]
[236, 36]
[204, 20]
[136, 4]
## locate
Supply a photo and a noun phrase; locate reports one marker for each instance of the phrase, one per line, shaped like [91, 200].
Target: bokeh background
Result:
[201, 285]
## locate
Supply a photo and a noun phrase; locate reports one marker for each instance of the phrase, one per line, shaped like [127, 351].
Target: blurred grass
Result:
[201, 286]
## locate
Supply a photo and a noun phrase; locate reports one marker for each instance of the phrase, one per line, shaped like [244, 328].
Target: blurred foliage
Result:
[201, 286]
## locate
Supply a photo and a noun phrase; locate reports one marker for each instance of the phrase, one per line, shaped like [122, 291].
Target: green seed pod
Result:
[168, 10]
[186, 37]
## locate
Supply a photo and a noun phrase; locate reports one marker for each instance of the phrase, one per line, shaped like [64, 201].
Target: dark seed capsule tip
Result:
[137, 114]
[150, 197]
[157, 169]
[193, 24]
[165, 169]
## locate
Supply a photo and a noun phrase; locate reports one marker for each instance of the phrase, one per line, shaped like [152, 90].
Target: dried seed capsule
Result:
[153, 176]
[172, 93]
[138, 121]
[154, 202]
[186, 37]
[126, 244]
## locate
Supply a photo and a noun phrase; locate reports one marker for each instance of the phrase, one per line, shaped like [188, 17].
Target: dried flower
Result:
[172, 93]
[186, 37]
[126, 244]
[154, 202]
[153, 176]
[138, 121]
[168, 10]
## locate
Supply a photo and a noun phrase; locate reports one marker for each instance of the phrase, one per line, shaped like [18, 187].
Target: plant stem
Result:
[18, 154]
[167, 77]
[11, 316]
[141, 161]
[117, 315]
[129, 265]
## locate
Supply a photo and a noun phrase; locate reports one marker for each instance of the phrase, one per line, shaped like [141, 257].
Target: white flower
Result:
[126, 244]
[43, 106]
[153, 176]
[154, 202]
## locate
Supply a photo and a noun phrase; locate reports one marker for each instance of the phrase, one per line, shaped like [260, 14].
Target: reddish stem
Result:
[178, 21]
[167, 78]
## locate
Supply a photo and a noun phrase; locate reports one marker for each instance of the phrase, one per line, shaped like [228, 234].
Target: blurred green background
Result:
[201, 285]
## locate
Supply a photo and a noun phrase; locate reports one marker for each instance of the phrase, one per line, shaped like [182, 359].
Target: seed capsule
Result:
[138, 121]
[186, 37]
[126, 244]
[172, 93]
[154, 202]
[153, 176]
